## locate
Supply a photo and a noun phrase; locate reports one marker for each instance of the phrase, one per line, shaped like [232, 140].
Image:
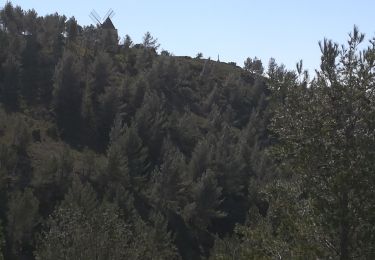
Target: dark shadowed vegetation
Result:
[110, 150]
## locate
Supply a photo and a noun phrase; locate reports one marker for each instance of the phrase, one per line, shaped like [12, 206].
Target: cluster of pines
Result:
[116, 150]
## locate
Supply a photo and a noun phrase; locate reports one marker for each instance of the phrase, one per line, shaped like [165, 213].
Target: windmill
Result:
[106, 22]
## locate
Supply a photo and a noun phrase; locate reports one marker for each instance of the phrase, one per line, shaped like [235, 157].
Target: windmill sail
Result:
[109, 12]
[106, 22]
[95, 17]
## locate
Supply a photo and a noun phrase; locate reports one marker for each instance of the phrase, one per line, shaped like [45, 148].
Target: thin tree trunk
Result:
[344, 229]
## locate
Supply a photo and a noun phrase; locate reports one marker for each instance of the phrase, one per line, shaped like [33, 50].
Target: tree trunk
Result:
[344, 229]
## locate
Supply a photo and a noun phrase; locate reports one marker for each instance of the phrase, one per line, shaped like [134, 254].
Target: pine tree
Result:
[285, 232]
[72, 29]
[205, 202]
[202, 209]
[67, 95]
[102, 72]
[9, 82]
[152, 241]
[30, 74]
[116, 178]
[2, 242]
[22, 219]
[254, 65]
[117, 158]
[137, 156]
[151, 124]
[168, 181]
[325, 134]
[128, 167]
[81, 228]
[53, 179]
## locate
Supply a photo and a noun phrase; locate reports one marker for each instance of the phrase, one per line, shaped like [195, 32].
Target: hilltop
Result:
[77, 106]
[115, 150]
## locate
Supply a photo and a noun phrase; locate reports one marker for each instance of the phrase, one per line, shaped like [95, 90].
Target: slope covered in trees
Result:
[111, 150]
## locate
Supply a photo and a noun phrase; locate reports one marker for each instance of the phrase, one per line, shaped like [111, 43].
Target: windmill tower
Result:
[106, 22]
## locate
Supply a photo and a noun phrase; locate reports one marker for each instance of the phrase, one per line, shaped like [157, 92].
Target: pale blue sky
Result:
[234, 29]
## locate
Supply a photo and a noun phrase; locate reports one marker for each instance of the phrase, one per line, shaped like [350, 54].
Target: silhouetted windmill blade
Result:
[107, 14]
[94, 19]
[104, 23]
[111, 14]
[96, 14]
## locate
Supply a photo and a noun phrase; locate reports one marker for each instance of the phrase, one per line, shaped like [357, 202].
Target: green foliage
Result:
[152, 242]
[83, 228]
[8, 157]
[72, 29]
[173, 157]
[100, 101]
[151, 124]
[22, 219]
[101, 73]
[2, 242]
[67, 94]
[287, 231]
[326, 135]
[22, 136]
[199, 160]
[150, 42]
[128, 41]
[168, 187]
[254, 65]
[199, 55]
[165, 53]
[53, 179]
[205, 200]
[117, 166]
[9, 83]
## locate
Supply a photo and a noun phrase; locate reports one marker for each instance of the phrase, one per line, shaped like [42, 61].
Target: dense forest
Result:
[111, 149]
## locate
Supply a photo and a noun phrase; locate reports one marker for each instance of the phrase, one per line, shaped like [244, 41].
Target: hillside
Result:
[113, 150]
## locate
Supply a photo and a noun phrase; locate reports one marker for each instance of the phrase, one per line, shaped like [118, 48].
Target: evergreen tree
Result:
[325, 134]
[31, 22]
[127, 168]
[117, 178]
[22, 219]
[67, 95]
[168, 182]
[102, 73]
[128, 42]
[100, 101]
[172, 156]
[206, 199]
[151, 124]
[9, 82]
[11, 18]
[285, 232]
[72, 29]
[81, 228]
[152, 241]
[147, 52]
[254, 65]
[150, 42]
[2, 242]
[53, 179]
[30, 76]
[137, 155]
